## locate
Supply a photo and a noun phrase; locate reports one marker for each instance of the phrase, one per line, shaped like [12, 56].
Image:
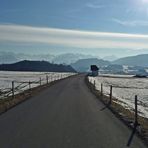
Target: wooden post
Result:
[12, 89]
[30, 87]
[136, 111]
[51, 78]
[101, 89]
[40, 81]
[94, 84]
[47, 78]
[111, 89]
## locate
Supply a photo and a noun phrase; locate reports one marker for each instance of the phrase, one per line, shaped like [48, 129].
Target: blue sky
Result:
[102, 27]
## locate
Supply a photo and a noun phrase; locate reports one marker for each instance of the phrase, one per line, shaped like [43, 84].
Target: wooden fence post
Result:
[136, 111]
[47, 78]
[40, 81]
[101, 89]
[30, 87]
[94, 84]
[111, 89]
[51, 78]
[13, 89]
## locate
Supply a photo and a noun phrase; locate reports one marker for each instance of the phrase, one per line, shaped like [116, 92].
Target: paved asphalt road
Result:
[66, 115]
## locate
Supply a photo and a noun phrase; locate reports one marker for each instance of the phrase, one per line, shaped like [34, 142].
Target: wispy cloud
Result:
[71, 38]
[131, 23]
[145, 1]
[94, 6]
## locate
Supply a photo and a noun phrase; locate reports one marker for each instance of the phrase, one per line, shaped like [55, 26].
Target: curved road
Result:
[65, 115]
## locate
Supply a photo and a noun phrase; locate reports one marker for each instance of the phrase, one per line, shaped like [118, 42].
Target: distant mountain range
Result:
[139, 60]
[110, 58]
[36, 57]
[81, 62]
[68, 58]
[36, 66]
[115, 67]
[83, 65]
[8, 57]
[71, 58]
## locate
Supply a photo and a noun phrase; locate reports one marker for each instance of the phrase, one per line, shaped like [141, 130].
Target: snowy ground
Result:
[125, 89]
[6, 78]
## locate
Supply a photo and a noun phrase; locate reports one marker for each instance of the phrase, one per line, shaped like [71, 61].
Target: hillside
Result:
[110, 58]
[139, 60]
[70, 58]
[83, 65]
[36, 66]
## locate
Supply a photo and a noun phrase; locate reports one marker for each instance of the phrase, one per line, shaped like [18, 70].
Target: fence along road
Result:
[65, 115]
[20, 86]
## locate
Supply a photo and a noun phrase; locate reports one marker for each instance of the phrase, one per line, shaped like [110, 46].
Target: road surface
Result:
[65, 115]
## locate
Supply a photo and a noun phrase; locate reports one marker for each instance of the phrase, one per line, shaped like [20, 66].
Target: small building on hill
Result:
[94, 70]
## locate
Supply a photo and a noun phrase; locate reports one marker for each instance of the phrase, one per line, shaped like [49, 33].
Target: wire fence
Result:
[123, 93]
[132, 109]
[18, 87]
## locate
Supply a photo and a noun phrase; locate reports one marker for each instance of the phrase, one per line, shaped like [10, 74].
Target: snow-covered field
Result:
[6, 78]
[125, 89]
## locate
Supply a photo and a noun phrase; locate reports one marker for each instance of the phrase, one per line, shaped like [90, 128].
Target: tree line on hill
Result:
[36, 66]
